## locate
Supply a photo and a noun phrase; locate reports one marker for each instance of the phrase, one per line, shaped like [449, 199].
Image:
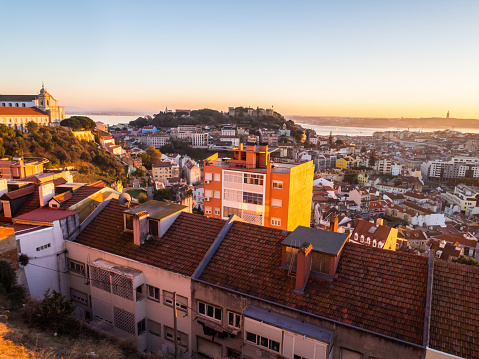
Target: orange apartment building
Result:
[250, 186]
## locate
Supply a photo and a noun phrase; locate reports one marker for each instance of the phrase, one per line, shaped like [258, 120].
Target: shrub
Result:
[54, 311]
[8, 278]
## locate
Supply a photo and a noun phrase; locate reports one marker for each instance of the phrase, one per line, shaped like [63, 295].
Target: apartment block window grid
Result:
[153, 292]
[77, 267]
[181, 302]
[253, 179]
[232, 195]
[41, 248]
[276, 221]
[141, 327]
[210, 311]
[262, 341]
[278, 184]
[181, 338]
[235, 177]
[254, 198]
[228, 211]
[154, 327]
[234, 320]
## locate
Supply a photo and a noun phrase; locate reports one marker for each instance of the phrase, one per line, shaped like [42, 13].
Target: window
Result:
[253, 179]
[217, 211]
[349, 354]
[45, 246]
[181, 338]
[141, 326]
[79, 297]
[278, 184]
[228, 211]
[153, 292]
[298, 357]
[154, 328]
[208, 193]
[234, 319]
[217, 194]
[23, 105]
[230, 176]
[232, 195]
[254, 198]
[181, 302]
[129, 222]
[153, 227]
[207, 210]
[16, 104]
[276, 222]
[232, 354]
[276, 203]
[262, 341]
[208, 176]
[77, 267]
[210, 311]
[217, 177]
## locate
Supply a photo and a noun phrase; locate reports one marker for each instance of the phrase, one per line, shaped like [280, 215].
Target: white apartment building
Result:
[155, 139]
[199, 140]
[125, 282]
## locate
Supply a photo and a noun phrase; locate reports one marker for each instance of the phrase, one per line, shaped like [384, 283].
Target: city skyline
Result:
[318, 59]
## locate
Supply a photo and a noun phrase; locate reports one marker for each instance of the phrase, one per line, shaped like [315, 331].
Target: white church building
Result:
[17, 110]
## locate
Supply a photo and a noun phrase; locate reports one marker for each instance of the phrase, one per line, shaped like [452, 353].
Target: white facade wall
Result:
[143, 309]
[45, 248]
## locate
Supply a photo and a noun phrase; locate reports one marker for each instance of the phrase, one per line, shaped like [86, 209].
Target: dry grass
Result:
[18, 340]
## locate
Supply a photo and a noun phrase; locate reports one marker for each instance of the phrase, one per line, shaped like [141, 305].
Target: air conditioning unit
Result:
[207, 198]
[207, 181]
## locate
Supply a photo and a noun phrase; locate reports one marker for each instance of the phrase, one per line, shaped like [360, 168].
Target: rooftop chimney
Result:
[240, 147]
[379, 221]
[303, 267]
[140, 227]
[263, 146]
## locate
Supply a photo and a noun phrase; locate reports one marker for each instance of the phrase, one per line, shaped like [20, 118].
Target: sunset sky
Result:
[323, 58]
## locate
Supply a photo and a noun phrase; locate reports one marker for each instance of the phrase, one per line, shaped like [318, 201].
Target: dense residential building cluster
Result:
[309, 247]
[240, 289]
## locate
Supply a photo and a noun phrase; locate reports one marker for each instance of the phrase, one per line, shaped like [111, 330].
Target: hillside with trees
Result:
[62, 149]
[210, 118]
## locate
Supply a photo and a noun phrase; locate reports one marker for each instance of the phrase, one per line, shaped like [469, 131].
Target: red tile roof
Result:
[455, 310]
[458, 238]
[45, 215]
[32, 203]
[24, 191]
[79, 195]
[381, 291]
[22, 111]
[180, 250]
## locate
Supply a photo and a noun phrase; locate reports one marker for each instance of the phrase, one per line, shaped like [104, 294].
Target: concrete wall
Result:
[147, 308]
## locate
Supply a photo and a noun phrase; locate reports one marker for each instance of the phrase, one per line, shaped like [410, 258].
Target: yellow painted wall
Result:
[300, 195]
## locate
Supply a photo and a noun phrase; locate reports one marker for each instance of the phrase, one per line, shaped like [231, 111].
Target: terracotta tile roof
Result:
[455, 309]
[22, 111]
[381, 291]
[180, 250]
[80, 194]
[371, 230]
[62, 197]
[19, 192]
[45, 215]
[458, 238]
[32, 203]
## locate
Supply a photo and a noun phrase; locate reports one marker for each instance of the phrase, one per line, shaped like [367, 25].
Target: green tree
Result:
[32, 127]
[364, 149]
[79, 123]
[162, 194]
[155, 155]
[339, 142]
[467, 261]
[2, 149]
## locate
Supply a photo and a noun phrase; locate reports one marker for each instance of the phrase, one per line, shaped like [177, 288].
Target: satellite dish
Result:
[124, 199]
